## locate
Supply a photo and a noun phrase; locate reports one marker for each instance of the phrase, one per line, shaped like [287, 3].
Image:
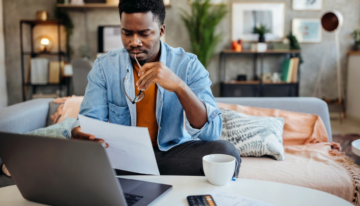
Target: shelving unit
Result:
[92, 6]
[88, 6]
[256, 87]
[61, 55]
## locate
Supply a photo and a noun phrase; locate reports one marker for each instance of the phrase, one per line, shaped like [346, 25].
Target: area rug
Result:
[345, 142]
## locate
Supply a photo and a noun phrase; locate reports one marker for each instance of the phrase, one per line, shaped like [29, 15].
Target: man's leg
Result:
[186, 159]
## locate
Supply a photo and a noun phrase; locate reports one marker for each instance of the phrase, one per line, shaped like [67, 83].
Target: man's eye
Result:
[126, 33]
[145, 34]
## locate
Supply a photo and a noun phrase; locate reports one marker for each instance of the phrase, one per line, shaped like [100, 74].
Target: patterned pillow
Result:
[254, 136]
[55, 130]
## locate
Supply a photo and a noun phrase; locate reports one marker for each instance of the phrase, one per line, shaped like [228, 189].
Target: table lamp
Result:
[45, 45]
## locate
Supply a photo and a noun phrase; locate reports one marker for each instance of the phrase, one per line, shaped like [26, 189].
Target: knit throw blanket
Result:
[309, 155]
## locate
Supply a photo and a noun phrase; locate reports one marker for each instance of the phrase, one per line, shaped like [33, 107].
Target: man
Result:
[150, 84]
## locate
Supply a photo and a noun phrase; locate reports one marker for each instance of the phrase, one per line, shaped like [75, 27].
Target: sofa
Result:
[34, 114]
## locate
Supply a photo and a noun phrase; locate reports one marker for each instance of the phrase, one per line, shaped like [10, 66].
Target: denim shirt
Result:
[105, 99]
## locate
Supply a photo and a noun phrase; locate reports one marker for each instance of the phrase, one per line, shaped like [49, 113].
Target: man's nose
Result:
[135, 41]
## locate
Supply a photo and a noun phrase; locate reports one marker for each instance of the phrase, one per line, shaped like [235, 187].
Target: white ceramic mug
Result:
[219, 168]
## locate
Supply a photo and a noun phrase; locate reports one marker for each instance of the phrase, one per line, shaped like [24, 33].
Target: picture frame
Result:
[245, 16]
[314, 5]
[307, 30]
[213, 2]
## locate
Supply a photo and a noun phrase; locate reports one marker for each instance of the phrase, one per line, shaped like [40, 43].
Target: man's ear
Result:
[162, 30]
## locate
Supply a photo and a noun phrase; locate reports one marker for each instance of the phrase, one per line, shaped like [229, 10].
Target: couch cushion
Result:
[25, 116]
[252, 135]
[55, 130]
[309, 105]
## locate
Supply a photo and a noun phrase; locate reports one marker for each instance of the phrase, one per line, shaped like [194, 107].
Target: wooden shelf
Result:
[228, 51]
[256, 82]
[42, 53]
[353, 53]
[91, 6]
[242, 82]
[35, 21]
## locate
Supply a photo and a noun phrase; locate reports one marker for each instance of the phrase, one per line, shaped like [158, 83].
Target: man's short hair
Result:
[156, 7]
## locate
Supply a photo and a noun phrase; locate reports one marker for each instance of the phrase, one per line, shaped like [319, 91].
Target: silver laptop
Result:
[70, 172]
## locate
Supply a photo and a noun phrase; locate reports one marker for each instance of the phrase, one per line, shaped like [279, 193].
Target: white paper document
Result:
[130, 148]
[224, 198]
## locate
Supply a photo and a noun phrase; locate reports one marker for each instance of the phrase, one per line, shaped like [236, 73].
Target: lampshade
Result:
[43, 44]
[332, 20]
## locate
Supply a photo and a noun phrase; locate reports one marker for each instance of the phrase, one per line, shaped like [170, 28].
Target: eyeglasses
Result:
[138, 97]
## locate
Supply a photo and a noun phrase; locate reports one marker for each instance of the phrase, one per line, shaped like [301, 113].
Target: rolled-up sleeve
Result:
[199, 82]
[95, 103]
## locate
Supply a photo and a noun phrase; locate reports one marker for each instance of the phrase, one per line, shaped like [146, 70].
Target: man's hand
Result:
[157, 72]
[77, 134]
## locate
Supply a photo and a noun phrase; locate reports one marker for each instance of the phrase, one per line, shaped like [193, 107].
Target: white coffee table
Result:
[275, 193]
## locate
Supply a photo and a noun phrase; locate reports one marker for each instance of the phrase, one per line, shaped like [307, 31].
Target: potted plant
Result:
[261, 30]
[356, 36]
[201, 24]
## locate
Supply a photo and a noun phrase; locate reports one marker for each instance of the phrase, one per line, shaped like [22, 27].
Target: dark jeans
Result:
[186, 159]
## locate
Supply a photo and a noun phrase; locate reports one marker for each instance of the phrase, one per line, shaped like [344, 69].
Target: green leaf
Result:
[201, 25]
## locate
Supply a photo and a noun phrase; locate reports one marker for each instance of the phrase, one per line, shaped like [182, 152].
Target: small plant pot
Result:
[262, 39]
[261, 47]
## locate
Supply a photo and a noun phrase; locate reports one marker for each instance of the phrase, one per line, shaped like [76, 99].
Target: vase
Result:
[261, 47]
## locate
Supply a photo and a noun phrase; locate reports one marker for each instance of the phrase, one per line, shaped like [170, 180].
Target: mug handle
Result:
[236, 172]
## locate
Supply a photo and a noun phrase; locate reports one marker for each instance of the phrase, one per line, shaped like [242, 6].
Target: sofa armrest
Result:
[24, 117]
[308, 105]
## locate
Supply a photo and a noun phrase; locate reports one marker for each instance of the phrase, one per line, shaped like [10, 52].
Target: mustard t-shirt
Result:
[146, 108]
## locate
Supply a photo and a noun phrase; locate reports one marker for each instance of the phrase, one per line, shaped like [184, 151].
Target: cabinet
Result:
[256, 87]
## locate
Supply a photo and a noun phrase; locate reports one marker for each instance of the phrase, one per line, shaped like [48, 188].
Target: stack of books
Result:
[290, 70]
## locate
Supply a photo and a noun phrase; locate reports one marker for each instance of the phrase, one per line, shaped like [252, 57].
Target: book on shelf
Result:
[285, 70]
[56, 70]
[28, 71]
[290, 70]
[39, 70]
[294, 77]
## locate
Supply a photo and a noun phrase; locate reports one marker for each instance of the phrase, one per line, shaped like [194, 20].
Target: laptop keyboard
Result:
[132, 199]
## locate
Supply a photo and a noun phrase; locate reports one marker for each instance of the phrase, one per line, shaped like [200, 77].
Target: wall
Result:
[176, 36]
[3, 91]
[353, 101]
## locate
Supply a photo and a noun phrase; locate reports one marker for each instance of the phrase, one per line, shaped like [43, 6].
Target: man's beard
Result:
[141, 62]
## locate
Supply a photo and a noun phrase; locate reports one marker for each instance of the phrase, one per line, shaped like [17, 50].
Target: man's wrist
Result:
[181, 88]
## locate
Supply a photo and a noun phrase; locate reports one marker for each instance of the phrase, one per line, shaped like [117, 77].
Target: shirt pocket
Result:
[119, 115]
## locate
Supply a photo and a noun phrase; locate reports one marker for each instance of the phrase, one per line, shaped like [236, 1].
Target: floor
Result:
[345, 133]
[347, 127]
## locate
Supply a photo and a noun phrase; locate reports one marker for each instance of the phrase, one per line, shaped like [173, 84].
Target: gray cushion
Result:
[25, 116]
[254, 136]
